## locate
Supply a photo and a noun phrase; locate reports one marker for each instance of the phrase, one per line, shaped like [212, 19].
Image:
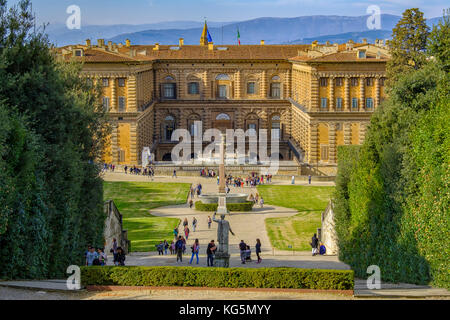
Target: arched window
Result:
[168, 127]
[275, 87]
[223, 77]
[223, 116]
[276, 127]
[169, 88]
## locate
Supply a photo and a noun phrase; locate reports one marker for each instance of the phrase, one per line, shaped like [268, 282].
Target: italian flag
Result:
[239, 37]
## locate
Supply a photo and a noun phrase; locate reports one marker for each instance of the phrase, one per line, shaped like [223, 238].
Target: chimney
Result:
[181, 42]
[156, 48]
[364, 41]
[328, 43]
[210, 46]
[262, 42]
[349, 45]
[101, 43]
[88, 43]
[110, 45]
[314, 44]
[127, 43]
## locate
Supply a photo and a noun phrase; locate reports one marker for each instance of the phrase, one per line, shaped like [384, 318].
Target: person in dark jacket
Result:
[314, 244]
[179, 249]
[120, 256]
[242, 248]
[258, 250]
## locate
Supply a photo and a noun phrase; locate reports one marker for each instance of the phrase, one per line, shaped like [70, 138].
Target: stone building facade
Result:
[315, 97]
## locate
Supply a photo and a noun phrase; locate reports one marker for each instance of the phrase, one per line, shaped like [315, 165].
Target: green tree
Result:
[51, 192]
[439, 41]
[408, 44]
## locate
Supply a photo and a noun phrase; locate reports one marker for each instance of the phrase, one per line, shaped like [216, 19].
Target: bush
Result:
[236, 207]
[292, 278]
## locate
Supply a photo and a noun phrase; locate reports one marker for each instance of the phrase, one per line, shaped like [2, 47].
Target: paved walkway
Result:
[246, 226]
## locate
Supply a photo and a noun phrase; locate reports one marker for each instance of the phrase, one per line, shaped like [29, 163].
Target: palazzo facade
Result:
[315, 97]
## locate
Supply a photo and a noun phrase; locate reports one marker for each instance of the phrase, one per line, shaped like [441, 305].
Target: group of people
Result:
[146, 171]
[256, 199]
[109, 167]
[246, 252]
[205, 172]
[317, 246]
[97, 256]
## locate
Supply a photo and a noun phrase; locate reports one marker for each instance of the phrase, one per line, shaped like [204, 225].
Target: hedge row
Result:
[239, 207]
[292, 278]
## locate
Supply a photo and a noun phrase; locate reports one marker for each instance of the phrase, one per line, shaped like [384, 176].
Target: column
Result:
[347, 133]
[315, 93]
[114, 142]
[377, 92]
[264, 84]
[134, 144]
[347, 93]
[362, 132]
[113, 94]
[332, 143]
[332, 99]
[131, 100]
[313, 146]
[362, 94]
[237, 86]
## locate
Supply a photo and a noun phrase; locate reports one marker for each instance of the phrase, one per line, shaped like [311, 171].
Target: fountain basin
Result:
[231, 197]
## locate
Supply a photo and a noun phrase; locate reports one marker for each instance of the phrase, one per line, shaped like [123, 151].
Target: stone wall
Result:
[114, 228]
[328, 232]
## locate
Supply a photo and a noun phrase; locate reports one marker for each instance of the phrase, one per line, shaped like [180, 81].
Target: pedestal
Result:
[222, 260]
[222, 204]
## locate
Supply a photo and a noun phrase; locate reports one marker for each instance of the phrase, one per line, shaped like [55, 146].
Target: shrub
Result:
[237, 207]
[292, 278]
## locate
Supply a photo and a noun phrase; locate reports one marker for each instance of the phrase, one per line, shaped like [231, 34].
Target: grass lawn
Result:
[296, 230]
[135, 199]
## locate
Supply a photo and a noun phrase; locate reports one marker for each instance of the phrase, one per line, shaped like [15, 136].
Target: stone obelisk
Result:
[222, 205]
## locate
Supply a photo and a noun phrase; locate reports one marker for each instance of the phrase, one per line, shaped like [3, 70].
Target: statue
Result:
[222, 257]
[222, 233]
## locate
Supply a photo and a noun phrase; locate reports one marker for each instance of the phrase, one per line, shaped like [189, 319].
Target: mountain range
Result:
[273, 30]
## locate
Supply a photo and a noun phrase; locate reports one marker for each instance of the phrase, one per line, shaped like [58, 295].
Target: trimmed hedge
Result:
[292, 278]
[237, 207]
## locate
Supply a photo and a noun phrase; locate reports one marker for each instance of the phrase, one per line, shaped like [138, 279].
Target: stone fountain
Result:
[222, 197]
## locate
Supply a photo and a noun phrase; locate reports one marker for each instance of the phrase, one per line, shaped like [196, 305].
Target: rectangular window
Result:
[106, 104]
[105, 82]
[169, 90]
[382, 80]
[275, 90]
[122, 104]
[194, 130]
[324, 153]
[193, 88]
[121, 155]
[323, 103]
[251, 88]
[369, 82]
[121, 82]
[354, 103]
[338, 103]
[223, 91]
[323, 82]
[354, 82]
[369, 103]
[338, 126]
[339, 82]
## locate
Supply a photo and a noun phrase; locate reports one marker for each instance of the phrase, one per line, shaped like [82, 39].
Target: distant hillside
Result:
[272, 30]
[371, 36]
[61, 36]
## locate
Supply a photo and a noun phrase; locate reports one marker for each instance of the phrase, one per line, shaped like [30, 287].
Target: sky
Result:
[105, 12]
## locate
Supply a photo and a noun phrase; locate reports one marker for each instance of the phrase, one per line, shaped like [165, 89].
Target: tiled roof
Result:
[220, 52]
[344, 56]
[99, 55]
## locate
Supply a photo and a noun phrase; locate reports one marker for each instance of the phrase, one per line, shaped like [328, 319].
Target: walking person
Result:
[261, 202]
[210, 250]
[195, 249]
[179, 249]
[120, 257]
[114, 249]
[209, 222]
[242, 248]
[160, 248]
[175, 233]
[186, 232]
[174, 173]
[309, 179]
[258, 250]
[166, 247]
[194, 224]
[314, 244]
